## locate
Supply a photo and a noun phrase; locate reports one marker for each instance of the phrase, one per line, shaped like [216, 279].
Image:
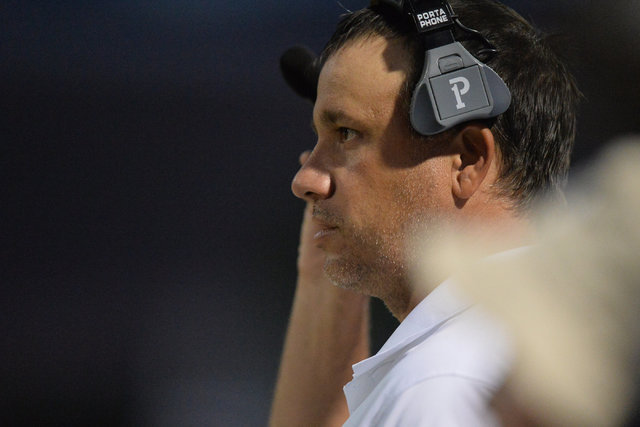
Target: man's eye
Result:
[347, 134]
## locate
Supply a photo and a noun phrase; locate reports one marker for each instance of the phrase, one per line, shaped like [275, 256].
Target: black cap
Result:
[300, 69]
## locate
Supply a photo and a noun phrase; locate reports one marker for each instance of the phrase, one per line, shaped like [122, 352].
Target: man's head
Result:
[373, 180]
[535, 136]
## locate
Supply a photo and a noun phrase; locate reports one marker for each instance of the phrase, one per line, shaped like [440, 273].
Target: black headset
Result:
[454, 86]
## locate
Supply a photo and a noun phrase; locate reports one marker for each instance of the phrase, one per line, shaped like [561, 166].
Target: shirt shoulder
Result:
[446, 401]
[469, 346]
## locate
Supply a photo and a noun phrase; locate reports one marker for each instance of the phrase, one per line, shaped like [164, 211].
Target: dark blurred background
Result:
[147, 231]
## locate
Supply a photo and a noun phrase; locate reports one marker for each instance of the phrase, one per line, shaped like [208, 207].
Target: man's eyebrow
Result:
[333, 117]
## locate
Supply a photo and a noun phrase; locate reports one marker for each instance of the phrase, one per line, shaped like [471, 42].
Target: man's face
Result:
[369, 180]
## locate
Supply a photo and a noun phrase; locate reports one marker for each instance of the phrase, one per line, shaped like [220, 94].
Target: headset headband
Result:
[455, 87]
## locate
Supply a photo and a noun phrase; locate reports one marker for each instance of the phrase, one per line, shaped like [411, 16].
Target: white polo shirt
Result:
[440, 367]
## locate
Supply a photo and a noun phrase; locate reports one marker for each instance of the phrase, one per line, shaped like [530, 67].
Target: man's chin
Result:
[344, 274]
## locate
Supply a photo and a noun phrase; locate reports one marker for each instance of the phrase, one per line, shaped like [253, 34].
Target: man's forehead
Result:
[372, 52]
[366, 73]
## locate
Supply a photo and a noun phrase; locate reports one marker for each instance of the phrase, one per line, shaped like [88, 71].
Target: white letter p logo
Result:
[459, 92]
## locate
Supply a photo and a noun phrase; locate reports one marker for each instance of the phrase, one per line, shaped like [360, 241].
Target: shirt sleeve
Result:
[444, 401]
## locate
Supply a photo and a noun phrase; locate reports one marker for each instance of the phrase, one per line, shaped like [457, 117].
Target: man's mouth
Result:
[326, 223]
[324, 232]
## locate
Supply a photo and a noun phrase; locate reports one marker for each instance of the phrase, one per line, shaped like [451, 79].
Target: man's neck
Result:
[479, 240]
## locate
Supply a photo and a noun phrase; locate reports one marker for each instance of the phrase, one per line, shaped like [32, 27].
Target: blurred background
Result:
[148, 235]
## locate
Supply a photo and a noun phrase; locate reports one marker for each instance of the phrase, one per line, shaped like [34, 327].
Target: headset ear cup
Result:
[446, 96]
[423, 112]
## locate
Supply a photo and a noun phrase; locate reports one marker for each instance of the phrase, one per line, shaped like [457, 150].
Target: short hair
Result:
[535, 136]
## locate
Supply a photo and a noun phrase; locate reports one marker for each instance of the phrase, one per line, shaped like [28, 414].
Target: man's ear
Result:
[475, 151]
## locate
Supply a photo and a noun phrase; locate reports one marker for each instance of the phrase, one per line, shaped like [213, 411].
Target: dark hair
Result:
[536, 134]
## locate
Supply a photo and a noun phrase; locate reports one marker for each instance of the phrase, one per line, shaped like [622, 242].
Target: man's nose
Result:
[312, 182]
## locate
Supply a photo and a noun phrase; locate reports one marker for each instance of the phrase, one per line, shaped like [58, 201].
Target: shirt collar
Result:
[443, 303]
[440, 305]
